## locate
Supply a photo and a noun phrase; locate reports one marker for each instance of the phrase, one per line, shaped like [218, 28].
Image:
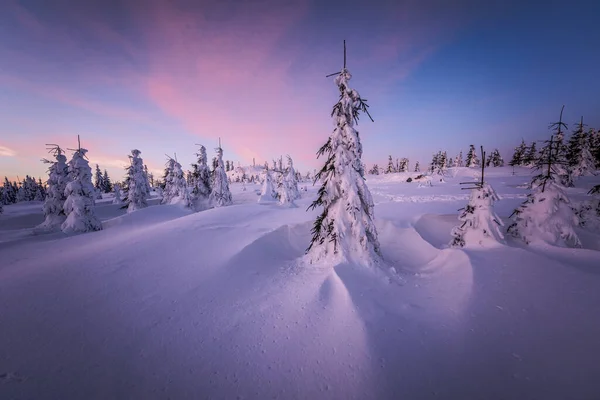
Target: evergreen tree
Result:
[201, 181]
[458, 161]
[480, 224]
[168, 179]
[586, 164]
[98, 179]
[9, 195]
[118, 197]
[390, 167]
[575, 144]
[345, 229]
[589, 212]
[220, 195]
[267, 193]
[472, 159]
[136, 183]
[518, 155]
[107, 184]
[40, 191]
[560, 153]
[58, 177]
[403, 165]
[374, 170]
[496, 159]
[529, 157]
[546, 214]
[594, 143]
[291, 181]
[79, 205]
[417, 167]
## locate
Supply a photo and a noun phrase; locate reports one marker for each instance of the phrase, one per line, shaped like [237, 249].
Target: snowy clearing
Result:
[166, 303]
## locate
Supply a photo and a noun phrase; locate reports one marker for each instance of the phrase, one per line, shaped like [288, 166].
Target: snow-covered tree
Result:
[546, 214]
[169, 179]
[579, 157]
[136, 183]
[179, 191]
[98, 179]
[220, 195]
[417, 167]
[374, 170]
[589, 211]
[107, 183]
[288, 193]
[529, 157]
[458, 160]
[201, 181]
[480, 224]
[403, 165]
[79, 205]
[58, 177]
[390, 167]
[345, 229]
[472, 159]
[291, 180]
[117, 189]
[9, 195]
[496, 159]
[267, 193]
[517, 158]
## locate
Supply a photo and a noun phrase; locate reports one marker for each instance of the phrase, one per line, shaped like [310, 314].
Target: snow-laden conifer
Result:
[9, 195]
[79, 205]
[58, 177]
[480, 224]
[517, 158]
[169, 181]
[201, 181]
[579, 157]
[529, 157]
[117, 189]
[136, 184]
[546, 214]
[458, 160]
[292, 180]
[267, 193]
[472, 159]
[106, 183]
[178, 191]
[345, 229]
[417, 167]
[220, 195]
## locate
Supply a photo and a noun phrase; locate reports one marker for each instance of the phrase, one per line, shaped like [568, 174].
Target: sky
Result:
[165, 75]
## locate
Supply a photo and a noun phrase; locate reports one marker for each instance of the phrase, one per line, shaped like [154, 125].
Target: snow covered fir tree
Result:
[79, 205]
[201, 181]
[169, 181]
[480, 224]
[546, 214]
[220, 195]
[58, 177]
[472, 159]
[345, 229]
[136, 184]
[267, 192]
[117, 192]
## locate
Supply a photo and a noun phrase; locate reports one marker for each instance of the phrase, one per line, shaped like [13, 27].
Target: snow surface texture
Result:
[80, 193]
[167, 303]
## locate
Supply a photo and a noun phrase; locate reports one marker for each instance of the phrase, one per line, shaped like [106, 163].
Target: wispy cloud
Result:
[7, 152]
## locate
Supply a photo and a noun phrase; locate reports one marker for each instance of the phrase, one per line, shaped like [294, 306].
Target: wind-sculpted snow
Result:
[167, 303]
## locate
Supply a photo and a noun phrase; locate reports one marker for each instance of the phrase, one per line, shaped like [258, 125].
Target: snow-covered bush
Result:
[345, 229]
[178, 189]
[117, 190]
[480, 224]
[58, 177]
[588, 211]
[79, 205]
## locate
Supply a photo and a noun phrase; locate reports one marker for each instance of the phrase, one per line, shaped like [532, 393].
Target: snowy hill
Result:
[165, 303]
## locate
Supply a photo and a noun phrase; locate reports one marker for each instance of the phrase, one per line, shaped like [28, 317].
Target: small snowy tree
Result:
[169, 179]
[58, 177]
[417, 167]
[589, 211]
[9, 195]
[79, 205]
[374, 170]
[480, 224]
[117, 190]
[201, 181]
[136, 184]
[472, 159]
[220, 195]
[107, 185]
[99, 179]
[267, 193]
[179, 192]
[390, 167]
[345, 229]
[546, 214]
[458, 161]
[517, 158]
[529, 157]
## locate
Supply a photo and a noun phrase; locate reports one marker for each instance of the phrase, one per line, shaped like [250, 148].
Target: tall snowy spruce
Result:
[579, 157]
[480, 224]
[136, 185]
[561, 165]
[117, 190]
[345, 229]
[79, 205]
[546, 214]
[220, 195]
[168, 179]
[58, 177]
[178, 190]
[292, 179]
[201, 181]
[472, 159]
[517, 158]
